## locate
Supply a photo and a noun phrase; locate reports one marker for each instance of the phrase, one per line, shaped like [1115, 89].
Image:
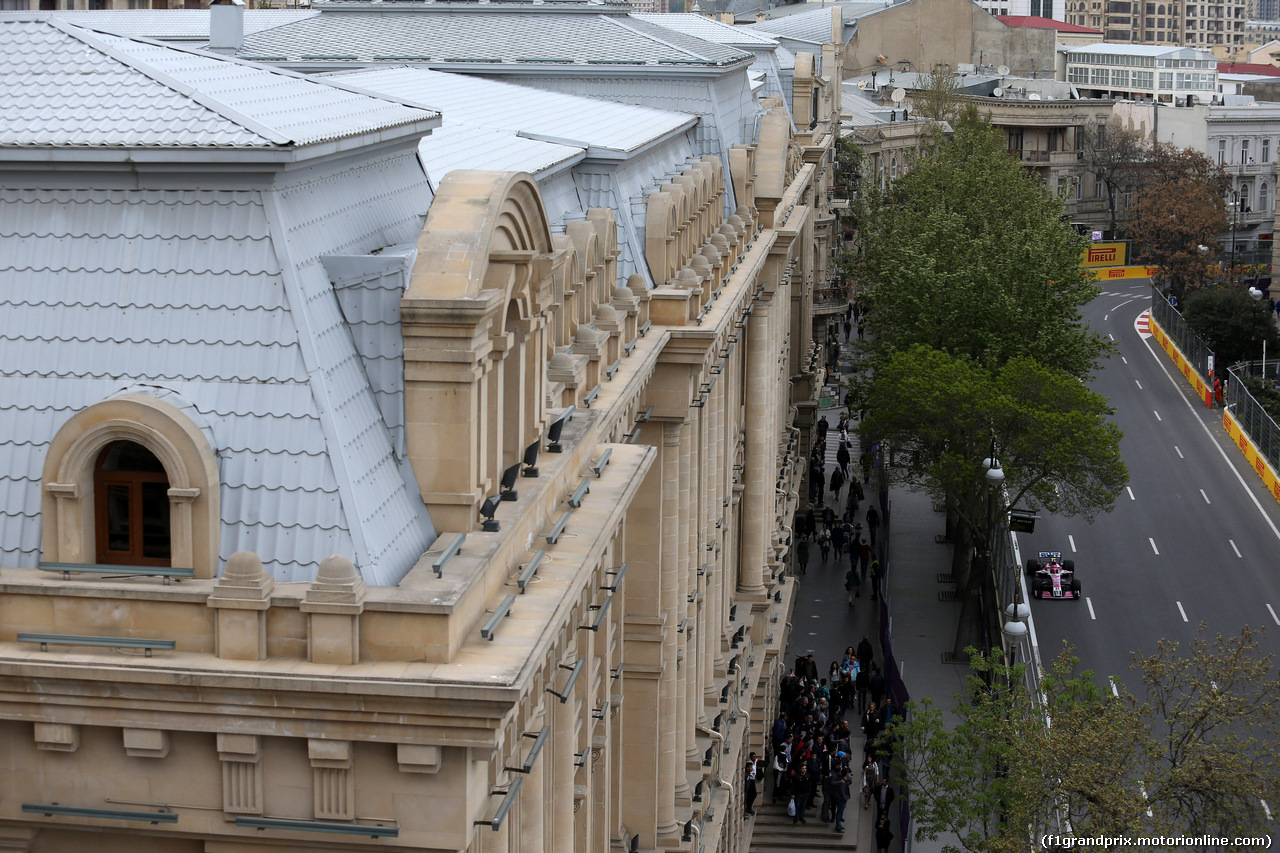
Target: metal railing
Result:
[1253, 419]
[1195, 350]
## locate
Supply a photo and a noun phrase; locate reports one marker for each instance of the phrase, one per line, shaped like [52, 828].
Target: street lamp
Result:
[1235, 223]
[1257, 297]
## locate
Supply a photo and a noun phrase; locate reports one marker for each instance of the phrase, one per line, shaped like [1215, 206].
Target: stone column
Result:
[757, 516]
[669, 762]
[533, 802]
[690, 553]
[564, 771]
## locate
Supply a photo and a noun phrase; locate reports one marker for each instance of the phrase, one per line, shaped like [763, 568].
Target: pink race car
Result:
[1053, 577]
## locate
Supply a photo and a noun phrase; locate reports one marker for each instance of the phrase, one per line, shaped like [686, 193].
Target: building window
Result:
[131, 492]
[1264, 198]
[1244, 151]
[1246, 194]
[1099, 188]
[1222, 151]
[1266, 150]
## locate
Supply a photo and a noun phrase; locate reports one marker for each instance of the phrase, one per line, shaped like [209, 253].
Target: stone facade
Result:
[586, 672]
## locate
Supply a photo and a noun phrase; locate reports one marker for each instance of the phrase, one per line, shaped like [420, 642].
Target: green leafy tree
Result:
[939, 413]
[969, 254]
[938, 97]
[1232, 322]
[1194, 753]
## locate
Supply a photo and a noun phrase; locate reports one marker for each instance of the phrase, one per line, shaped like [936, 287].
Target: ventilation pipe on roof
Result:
[226, 25]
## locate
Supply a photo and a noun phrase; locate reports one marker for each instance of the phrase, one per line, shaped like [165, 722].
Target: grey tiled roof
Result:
[173, 24]
[536, 113]
[464, 146]
[700, 26]
[70, 87]
[448, 34]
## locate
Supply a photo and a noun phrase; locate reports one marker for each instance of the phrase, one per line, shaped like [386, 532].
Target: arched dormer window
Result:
[131, 515]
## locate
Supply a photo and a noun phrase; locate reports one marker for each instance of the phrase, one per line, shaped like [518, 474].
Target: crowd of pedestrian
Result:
[814, 760]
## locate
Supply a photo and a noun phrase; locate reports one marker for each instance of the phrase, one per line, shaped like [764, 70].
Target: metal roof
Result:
[603, 128]
[1156, 50]
[700, 26]
[70, 87]
[173, 24]
[464, 146]
[456, 33]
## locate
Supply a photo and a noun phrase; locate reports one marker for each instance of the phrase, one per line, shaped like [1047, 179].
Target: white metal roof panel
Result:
[709, 29]
[451, 33]
[550, 116]
[463, 146]
[174, 24]
[70, 87]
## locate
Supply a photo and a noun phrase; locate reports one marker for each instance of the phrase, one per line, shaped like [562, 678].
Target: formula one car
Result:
[1053, 577]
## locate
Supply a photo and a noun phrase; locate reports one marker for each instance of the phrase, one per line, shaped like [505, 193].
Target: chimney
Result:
[226, 25]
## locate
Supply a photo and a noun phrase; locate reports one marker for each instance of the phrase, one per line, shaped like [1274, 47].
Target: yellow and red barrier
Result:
[1256, 460]
[1202, 389]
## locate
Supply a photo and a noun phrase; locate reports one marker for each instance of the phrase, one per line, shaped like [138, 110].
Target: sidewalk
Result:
[922, 626]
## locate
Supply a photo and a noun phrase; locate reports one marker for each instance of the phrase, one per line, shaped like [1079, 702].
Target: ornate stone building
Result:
[344, 511]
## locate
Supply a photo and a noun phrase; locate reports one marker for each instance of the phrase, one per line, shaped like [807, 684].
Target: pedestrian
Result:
[802, 556]
[860, 330]
[836, 483]
[851, 584]
[874, 571]
[819, 482]
[870, 780]
[884, 835]
[823, 426]
[842, 457]
[864, 460]
[875, 685]
[840, 795]
[873, 522]
[864, 558]
[824, 543]
[884, 799]
[871, 721]
[861, 682]
[837, 540]
[848, 329]
[749, 791]
[801, 791]
[865, 653]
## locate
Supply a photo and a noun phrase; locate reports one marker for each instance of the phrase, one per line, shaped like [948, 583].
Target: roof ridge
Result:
[617, 20]
[184, 89]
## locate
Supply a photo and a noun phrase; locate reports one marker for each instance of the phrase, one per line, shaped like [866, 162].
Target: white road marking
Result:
[1153, 546]
[1114, 691]
[1109, 335]
[1272, 611]
[1266, 808]
[1089, 601]
[1234, 548]
[1234, 470]
[1180, 456]
[1183, 612]
[1071, 539]
[902, 667]
[1125, 360]
[1157, 414]
[1139, 384]
[1106, 317]
[1130, 491]
[1206, 497]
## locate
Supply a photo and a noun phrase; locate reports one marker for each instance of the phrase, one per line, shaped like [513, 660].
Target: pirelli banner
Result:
[1105, 255]
[1256, 460]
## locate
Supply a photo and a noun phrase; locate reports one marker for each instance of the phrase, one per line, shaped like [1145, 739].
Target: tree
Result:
[939, 415]
[1176, 229]
[1232, 322]
[938, 97]
[1115, 155]
[1193, 754]
[969, 254]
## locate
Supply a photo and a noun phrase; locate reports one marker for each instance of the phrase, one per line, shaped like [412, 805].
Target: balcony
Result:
[1029, 155]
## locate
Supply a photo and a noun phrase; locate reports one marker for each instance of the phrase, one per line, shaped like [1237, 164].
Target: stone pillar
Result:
[333, 783]
[240, 600]
[533, 802]
[669, 762]
[757, 516]
[563, 772]
[689, 553]
[333, 604]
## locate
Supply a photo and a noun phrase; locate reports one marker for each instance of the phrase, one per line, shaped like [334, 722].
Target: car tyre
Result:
[1033, 566]
[1075, 589]
[1069, 565]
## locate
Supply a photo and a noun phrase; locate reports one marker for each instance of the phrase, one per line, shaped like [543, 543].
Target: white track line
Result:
[1180, 456]
[1206, 497]
[1072, 540]
[1089, 601]
[1266, 808]
[1153, 546]
[1234, 470]
[1139, 384]
[1157, 414]
[1114, 691]
[1183, 612]
[1272, 611]
[1234, 548]
[1106, 317]
[1129, 489]
[1125, 360]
